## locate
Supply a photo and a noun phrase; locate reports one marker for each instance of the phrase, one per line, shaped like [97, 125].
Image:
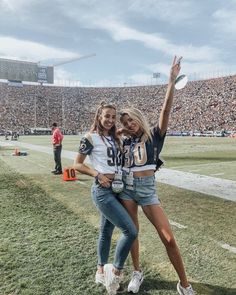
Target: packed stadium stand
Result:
[207, 105]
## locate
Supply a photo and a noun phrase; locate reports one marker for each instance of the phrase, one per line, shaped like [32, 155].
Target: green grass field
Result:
[49, 227]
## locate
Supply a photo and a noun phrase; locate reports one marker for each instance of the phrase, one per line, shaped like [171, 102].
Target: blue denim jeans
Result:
[113, 214]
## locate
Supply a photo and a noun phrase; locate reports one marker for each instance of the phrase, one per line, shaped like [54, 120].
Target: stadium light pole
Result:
[156, 76]
[48, 123]
[63, 110]
[35, 112]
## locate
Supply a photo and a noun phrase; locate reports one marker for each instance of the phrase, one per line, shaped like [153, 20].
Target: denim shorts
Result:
[144, 191]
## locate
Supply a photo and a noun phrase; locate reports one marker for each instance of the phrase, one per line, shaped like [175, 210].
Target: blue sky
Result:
[131, 38]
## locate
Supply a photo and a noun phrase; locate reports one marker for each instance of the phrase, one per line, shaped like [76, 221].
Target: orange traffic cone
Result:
[69, 174]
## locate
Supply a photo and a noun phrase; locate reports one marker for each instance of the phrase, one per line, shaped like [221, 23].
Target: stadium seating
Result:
[208, 105]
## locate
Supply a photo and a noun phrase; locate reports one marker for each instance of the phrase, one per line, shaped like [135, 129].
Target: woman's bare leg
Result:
[157, 217]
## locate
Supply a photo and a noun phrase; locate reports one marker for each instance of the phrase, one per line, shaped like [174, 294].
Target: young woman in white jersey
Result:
[141, 151]
[102, 146]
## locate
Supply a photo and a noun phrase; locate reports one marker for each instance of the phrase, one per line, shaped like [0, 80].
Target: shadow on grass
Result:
[155, 286]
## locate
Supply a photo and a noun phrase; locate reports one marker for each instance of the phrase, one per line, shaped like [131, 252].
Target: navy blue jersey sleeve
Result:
[85, 147]
[158, 138]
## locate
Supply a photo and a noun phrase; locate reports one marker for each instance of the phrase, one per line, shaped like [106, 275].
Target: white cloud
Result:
[65, 78]
[81, 23]
[30, 51]
[141, 78]
[106, 18]
[14, 5]
[191, 68]
[226, 21]
[206, 70]
[171, 11]
[120, 32]
[61, 74]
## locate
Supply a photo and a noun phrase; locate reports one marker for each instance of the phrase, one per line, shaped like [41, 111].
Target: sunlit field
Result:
[49, 227]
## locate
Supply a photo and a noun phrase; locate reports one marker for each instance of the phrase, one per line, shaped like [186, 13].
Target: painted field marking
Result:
[22, 181]
[221, 244]
[81, 182]
[181, 226]
[35, 163]
[177, 224]
[227, 247]
[206, 164]
[40, 165]
[222, 188]
[217, 174]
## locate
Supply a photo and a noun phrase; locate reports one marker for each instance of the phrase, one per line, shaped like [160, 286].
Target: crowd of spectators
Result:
[207, 105]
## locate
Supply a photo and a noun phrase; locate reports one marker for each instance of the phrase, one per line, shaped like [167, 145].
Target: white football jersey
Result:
[103, 152]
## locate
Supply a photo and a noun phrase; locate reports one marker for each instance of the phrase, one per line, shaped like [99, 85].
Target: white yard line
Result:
[23, 182]
[201, 165]
[217, 174]
[35, 163]
[222, 188]
[227, 247]
[81, 182]
[42, 166]
[177, 224]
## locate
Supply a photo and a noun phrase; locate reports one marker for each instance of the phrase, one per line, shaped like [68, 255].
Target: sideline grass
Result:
[209, 220]
[45, 248]
[206, 156]
[49, 230]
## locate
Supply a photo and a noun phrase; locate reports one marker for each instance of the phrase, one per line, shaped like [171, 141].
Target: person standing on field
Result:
[103, 147]
[141, 149]
[57, 138]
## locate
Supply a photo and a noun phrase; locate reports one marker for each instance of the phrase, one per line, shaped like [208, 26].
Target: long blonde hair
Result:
[138, 117]
[97, 126]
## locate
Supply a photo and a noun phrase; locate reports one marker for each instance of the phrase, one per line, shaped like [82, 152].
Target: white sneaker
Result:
[136, 281]
[185, 291]
[99, 278]
[112, 281]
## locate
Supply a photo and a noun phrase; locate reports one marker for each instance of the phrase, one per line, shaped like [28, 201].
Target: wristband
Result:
[96, 177]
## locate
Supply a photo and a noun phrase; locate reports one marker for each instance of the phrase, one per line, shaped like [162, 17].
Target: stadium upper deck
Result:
[201, 105]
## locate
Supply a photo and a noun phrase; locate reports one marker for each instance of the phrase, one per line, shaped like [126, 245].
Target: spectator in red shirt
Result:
[57, 138]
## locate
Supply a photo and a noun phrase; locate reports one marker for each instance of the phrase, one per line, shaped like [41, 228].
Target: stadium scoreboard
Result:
[15, 70]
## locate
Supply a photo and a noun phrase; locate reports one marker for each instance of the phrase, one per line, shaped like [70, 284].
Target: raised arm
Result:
[166, 107]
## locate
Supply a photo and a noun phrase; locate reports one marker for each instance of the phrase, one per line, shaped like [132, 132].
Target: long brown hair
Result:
[97, 126]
